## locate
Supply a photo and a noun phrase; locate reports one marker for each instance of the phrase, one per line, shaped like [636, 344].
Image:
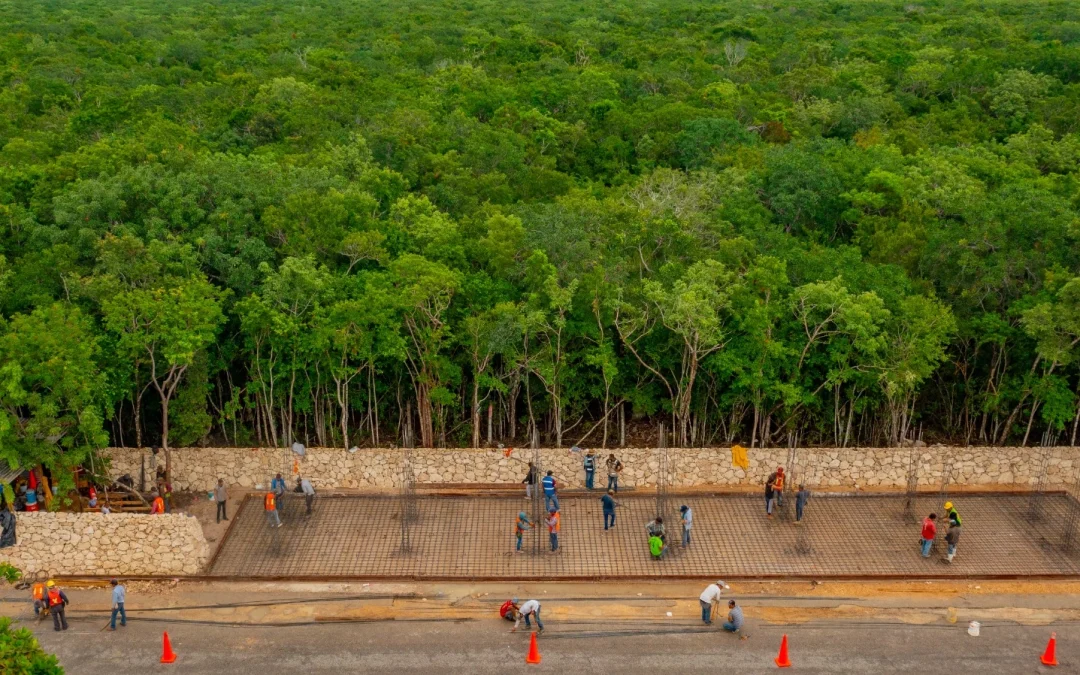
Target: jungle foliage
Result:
[478, 221]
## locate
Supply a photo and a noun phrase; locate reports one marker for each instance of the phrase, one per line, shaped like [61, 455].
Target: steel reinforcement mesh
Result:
[472, 538]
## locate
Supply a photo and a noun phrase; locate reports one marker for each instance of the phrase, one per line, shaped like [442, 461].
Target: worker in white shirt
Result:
[531, 607]
[709, 597]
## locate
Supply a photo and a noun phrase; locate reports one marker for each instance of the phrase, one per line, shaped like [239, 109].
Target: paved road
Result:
[595, 628]
[486, 647]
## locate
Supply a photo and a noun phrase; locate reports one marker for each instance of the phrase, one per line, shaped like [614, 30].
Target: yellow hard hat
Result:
[948, 505]
[50, 583]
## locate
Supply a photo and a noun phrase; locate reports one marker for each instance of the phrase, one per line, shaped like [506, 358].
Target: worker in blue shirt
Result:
[551, 500]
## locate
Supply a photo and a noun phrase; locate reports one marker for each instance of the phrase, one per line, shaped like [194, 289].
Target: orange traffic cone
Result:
[167, 654]
[1049, 657]
[534, 651]
[782, 660]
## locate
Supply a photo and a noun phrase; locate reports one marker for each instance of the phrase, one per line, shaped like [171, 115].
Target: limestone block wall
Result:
[116, 544]
[380, 468]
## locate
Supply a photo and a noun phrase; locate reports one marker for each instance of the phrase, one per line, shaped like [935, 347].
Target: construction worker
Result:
[277, 486]
[778, 485]
[951, 513]
[929, 531]
[589, 463]
[709, 597]
[530, 608]
[657, 547]
[221, 496]
[614, 468]
[687, 523]
[57, 600]
[609, 505]
[553, 529]
[551, 498]
[39, 598]
[523, 523]
[509, 610]
[157, 505]
[655, 528]
[801, 498]
[309, 492]
[952, 538]
[270, 505]
[734, 621]
[119, 595]
[770, 495]
[530, 481]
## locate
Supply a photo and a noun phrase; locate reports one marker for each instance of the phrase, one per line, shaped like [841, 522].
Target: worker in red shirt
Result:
[929, 531]
[509, 610]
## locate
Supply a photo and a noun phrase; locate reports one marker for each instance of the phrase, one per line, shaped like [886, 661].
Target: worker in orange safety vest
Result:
[57, 600]
[158, 504]
[270, 504]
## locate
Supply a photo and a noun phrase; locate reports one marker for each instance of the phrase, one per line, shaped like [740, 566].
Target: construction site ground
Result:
[471, 537]
[631, 627]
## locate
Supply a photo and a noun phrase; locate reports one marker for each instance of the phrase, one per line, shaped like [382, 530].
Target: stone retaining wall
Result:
[380, 469]
[115, 544]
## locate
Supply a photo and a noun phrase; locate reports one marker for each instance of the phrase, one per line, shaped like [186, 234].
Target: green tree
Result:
[51, 392]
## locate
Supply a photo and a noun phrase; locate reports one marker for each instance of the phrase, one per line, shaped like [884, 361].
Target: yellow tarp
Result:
[739, 458]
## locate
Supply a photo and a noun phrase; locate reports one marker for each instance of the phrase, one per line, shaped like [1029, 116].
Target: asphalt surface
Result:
[677, 645]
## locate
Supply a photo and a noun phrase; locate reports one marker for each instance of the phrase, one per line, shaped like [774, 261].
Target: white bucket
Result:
[973, 629]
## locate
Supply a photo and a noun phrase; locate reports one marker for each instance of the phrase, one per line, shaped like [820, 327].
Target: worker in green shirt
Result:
[656, 547]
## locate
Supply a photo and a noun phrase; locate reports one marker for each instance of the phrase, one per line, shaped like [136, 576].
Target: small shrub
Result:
[20, 653]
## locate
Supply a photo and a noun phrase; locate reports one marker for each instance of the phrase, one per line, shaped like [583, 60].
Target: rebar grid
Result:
[472, 537]
[1072, 517]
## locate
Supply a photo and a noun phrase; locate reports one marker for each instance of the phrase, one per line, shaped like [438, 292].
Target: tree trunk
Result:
[165, 438]
[476, 413]
[511, 405]
[137, 409]
[423, 408]
[490, 429]
[1031, 420]
[622, 425]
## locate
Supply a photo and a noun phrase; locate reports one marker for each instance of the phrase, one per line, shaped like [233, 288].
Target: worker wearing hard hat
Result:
[57, 600]
[951, 514]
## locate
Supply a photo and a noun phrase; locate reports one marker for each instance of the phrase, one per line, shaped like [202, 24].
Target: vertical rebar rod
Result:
[662, 477]
[787, 492]
[946, 477]
[912, 484]
[1035, 501]
[407, 511]
[538, 514]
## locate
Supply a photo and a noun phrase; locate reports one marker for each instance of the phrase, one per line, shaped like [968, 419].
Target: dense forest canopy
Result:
[477, 221]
